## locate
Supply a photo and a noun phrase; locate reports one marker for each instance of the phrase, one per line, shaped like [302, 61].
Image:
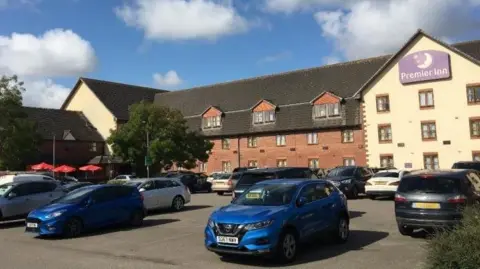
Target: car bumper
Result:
[45, 227]
[380, 193]
[222, 188]
[426, 223]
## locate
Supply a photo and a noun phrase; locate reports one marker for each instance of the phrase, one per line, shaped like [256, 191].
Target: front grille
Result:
[225, 228]
[237, 230]
[33, 220]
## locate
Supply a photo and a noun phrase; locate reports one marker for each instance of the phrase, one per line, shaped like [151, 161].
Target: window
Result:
[475, 127]
[473, 94]
[252, 142]
[212, 122]
[385, 133]
[312, 138]
[347, 136]
[93, 147]
[262, 117]
[425, 97]
[225, 143]
[281, 140]
[430, 161]
[203, 167]
[281, 163]
[476, 156]
[348, 161]
[226, 166]
[326, 110]
[429, 131]
[313, 163]
[386, 161]
[314, 192]
[383, 103]
[252, 163]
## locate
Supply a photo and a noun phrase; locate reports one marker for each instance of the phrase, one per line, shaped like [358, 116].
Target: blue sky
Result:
[201, 42]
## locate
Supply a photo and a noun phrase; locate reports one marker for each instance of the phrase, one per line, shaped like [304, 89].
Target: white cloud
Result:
[183, 19]
[39, 59]
[276, 57]
[289, 6]
[170, 79]
[331, 60]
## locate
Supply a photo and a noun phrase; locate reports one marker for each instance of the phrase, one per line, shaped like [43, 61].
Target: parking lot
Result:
[175, 240]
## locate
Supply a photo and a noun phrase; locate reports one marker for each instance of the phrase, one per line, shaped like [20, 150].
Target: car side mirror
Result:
[141, 190]
[89, 202]
[301, 201]
[12, 195]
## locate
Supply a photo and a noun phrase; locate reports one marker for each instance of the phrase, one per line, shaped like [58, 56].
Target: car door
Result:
[101, 210]
[308, 217]
[164, 193]
[42, 194]
[150, 195]
[18, 201]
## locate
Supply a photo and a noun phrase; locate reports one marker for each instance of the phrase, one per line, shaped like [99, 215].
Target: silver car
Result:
[17, 199]
[162, 193]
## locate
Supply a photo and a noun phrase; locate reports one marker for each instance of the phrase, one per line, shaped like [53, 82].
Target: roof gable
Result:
[263, 105]
[468, 50]
[212, 111]
[326, 98]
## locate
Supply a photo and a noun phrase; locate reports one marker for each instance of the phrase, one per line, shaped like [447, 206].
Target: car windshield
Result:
[134, 184]
[472, 165]
[429, 184]
[386, 174]
[75, 196]
[217, 176]
[6, 188]
[268, 195]
[341, 172]
[252, 178]
[224, 176]
[236, 176]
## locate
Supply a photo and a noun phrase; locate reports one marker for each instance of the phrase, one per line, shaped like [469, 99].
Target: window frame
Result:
[429, 125]
[252, 142]
[210, 123]
[387, 156]
[264, 117]
[317, 163]
[226, 143]
[312, 139]
[284, 140]
[93, 147]
[250, 162]
[327, 108]
[474, 121]
[426, 92]
[431, 156]
[282, 161]
[352, 136]
[348, 161]
[379, 128]
[476, 154]
[475, 88]
[228, 164]
[386, 99]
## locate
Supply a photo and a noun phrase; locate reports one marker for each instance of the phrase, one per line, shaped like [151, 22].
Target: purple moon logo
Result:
[427, 65]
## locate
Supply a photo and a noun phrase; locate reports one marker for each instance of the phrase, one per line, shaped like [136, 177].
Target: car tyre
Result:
[136, 220]
[73, 228]
[287, 247]
[178, 203]
[372, 197]
[404, 230]
[354, 193]
[342, 230]
[220, 193]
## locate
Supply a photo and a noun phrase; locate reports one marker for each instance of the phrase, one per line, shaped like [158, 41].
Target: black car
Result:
[429, 199]
[467, 165]
[193, 182]
[243, 169]
[350, 179]
[251, 177]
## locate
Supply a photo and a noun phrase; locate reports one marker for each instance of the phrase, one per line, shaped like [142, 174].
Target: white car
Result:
[125, 177]
[384, 183]
[213, 176]
[162, 193]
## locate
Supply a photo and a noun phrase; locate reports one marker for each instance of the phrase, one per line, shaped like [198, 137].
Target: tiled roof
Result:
[60, 121]
[117, 97]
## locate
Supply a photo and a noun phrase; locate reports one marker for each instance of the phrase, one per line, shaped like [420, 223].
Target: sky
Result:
[179, 44]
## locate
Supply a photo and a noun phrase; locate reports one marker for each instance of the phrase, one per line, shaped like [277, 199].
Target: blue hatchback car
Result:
[89, 208]
[272, 217]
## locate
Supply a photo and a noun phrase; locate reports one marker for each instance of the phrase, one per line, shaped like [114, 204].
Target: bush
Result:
[116, 181]
[458, 248]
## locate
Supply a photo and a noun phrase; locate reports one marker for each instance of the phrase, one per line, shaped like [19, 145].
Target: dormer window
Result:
[326, 105]
[264, 113]
[212, 122]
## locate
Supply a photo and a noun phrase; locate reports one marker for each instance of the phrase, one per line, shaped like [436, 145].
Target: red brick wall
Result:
[69, 152]
[328, 158]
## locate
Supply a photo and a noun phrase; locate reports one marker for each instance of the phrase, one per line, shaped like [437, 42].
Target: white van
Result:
[23, 177]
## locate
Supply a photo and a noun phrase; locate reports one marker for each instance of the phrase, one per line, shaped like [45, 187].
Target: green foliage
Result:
[117, 181]
[18, 135]
[169, 138]
[459, 248]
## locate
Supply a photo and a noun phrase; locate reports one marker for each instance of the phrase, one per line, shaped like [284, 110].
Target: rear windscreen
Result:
[475, 166]
[429, 185]
[386, 174]
[250, 179]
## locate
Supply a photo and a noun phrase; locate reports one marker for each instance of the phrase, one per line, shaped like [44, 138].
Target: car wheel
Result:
[407, 231]
[342, 231]
[354, 193]
[287, 247]
[73, 228]
[136, 220]
[220, 193]
[178, 203]
[372, 197]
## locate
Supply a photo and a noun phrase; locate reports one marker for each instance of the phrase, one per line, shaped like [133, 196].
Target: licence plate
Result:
[426, 205]
[380, 183]
[253, 196]
[227, 240]
[32, 225]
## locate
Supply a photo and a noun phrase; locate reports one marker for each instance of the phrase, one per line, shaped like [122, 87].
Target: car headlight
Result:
[211, 223]
[55, 214]
[258, 225]
[346, 181]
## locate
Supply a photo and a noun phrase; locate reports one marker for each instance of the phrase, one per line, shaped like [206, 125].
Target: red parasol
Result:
[42, 166]
[90, 167]
[64, 169]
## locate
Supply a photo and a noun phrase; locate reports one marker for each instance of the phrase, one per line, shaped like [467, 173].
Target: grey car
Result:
[17, 199]
[429, 199]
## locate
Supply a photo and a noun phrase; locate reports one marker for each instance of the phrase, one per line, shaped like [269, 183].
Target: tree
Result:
[18, 135]
[170, 141]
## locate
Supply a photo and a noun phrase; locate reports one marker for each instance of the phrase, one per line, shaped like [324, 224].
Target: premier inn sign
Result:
[426, 65]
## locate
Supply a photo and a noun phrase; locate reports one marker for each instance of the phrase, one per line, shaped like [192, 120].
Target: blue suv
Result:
[272, 217]
[89, 207]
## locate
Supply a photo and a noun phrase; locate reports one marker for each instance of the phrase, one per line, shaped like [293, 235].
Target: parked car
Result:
[225, 183]
[67, 179]
[384, 183]
[251, 177]
[273, 217]
[193, 183]
[214, 175]
[125, 177]
[23, 177]
[18, 198]
[243, 169]
[427, 199]
[162, 193]
[75, 185]
[350, 179]
[475, 165]
[88, 208]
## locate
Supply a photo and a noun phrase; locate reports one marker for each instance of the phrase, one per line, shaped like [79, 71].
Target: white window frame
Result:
[321, 111]
[281, 140]
[313, 163]
[264, 117]
[312, 138]
[212, 122]
[348, 161]
[281, 162]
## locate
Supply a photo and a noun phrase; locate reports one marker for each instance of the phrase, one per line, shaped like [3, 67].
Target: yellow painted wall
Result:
[95, 111]
[451, 113]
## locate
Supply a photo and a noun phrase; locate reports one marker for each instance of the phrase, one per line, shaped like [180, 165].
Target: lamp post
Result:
[147, 159]
[54, 138]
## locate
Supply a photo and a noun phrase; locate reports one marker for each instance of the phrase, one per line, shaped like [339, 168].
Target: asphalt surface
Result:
[175, 240]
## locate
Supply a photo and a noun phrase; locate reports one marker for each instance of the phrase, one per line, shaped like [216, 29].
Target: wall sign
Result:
[426, 65]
